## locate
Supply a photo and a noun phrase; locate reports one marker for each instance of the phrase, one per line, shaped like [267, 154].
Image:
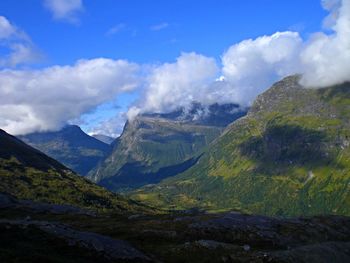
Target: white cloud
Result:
[67, 10]
[251, 66]
[159, 27]
[173, 85]
[326, 58]
[6, 29]
[45, 99]
[19, 46]
[39, 100]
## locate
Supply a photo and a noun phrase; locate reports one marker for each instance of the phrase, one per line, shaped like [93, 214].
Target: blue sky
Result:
[207, 27]
[98, 62]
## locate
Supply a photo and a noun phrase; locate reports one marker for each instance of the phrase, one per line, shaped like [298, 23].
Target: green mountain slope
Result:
[289, 156]
[70, 146]
[151, 149]
[26, 173]
[155, 146]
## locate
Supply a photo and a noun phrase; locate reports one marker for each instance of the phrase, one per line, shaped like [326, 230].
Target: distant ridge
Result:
[71, 146]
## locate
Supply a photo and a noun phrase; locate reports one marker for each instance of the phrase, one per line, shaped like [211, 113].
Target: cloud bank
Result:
[66, 10]
[250, 67]
[38, 100]
[177, 84]
[41, 100]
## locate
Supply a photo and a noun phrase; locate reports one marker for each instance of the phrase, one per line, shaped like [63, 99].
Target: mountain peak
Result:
[71, 146]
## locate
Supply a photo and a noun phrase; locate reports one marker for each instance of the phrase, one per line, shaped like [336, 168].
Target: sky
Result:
[97, 63]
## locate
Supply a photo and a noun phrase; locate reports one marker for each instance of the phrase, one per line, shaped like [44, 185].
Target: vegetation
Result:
[290, 156]
[29, 174]
[157, 146]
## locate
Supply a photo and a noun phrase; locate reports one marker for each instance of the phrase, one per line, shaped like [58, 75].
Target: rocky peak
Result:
[286, 89]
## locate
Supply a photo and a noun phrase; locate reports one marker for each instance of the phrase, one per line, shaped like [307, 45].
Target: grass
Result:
[290, 156]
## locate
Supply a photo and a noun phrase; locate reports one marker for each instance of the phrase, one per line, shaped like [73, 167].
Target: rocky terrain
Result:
[32, 235]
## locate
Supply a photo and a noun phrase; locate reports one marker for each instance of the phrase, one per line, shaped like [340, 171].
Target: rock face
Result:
[156, 146]
[289, 156]
[70, 146]
[27, 173]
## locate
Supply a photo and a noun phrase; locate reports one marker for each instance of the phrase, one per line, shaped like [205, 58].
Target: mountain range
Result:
[156, 146]
[289, 156]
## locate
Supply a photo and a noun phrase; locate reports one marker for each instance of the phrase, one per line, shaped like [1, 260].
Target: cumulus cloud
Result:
[45, 99]
[251, 66]
[248, 68]
[40, 100]
[67, 10]
[326, 57]
[173, 85]
[19, 47]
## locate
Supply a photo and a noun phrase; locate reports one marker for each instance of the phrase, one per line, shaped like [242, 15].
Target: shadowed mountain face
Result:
[156, 146]
[71, 146]
[27, 173]
[289, 156]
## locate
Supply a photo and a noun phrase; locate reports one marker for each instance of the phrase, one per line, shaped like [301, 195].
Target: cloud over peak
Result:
[251, 66]
[177, 84]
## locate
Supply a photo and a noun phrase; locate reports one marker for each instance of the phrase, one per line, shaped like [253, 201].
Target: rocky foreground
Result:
[33, 232]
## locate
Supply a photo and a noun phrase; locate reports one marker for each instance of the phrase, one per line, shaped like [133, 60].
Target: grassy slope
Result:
[29, 174]
[289, 156]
